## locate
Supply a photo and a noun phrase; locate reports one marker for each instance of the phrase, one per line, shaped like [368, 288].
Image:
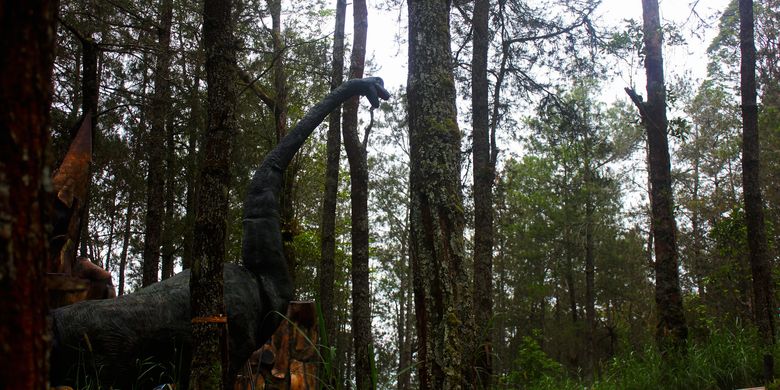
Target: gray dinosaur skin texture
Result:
[124, 337]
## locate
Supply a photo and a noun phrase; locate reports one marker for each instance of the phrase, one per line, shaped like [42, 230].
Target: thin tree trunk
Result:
[75, 97]
[209, 327]
[500, 325]
[155, 147]
[27, 52]
[192, 172]
[89, 106]
[330, 197]
[168, 229]
[441, 282]
[280, 108]
[590, 295]
[761, 270]
[107, 265]
[358, 174]
[671, 331]
[484, 168]
[406, 325]
[89, 81]
[570, 283]
[696, 228]
[125, 245]
[650, 242]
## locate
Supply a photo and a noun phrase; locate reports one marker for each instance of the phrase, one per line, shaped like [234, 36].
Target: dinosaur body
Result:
[124, 338]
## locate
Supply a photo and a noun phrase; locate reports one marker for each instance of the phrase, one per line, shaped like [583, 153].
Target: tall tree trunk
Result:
[170, 174]
[763, 305]
[671, 331]
[590, 272]
[358, 174]
[209, 327]
[696, 222]
[441, 283]
[111, 222]
[27, 50]
[155, 147]
[406, 324]
[571, 286]
[280, 108]
[89, 105]
[194, 123]
[327, 269]
[89, 81]
[125, 245]
[484, 168]
[501, 307]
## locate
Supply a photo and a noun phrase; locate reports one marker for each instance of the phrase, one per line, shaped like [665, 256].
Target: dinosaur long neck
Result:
[279, 158]
[262, 245]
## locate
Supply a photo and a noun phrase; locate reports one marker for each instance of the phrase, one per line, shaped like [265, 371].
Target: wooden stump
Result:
[288, 361]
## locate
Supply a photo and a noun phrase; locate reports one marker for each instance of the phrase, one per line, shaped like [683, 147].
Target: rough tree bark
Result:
[209, 323]
[763, 305]
[155, 147]
[330, 196]
[671, 330]
[441, 283]
[358, 176]
[484, 173]
[27, 50]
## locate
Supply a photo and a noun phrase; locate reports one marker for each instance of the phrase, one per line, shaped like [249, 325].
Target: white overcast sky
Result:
[385, 26]
[696, 20]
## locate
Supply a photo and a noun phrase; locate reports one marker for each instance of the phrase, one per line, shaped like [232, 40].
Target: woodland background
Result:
[566, 298]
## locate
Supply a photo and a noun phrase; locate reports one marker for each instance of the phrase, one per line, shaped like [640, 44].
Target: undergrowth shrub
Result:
[726, 360]
[532, 366]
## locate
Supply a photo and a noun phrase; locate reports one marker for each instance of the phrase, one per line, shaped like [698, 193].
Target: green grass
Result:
[726, 360]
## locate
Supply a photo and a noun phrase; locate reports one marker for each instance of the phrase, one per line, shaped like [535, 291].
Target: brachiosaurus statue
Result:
[123, 340]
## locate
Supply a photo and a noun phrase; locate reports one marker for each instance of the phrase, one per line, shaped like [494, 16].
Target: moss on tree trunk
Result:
[441, 283]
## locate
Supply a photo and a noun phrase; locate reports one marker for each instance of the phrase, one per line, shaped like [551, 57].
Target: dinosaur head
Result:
[375, 90]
